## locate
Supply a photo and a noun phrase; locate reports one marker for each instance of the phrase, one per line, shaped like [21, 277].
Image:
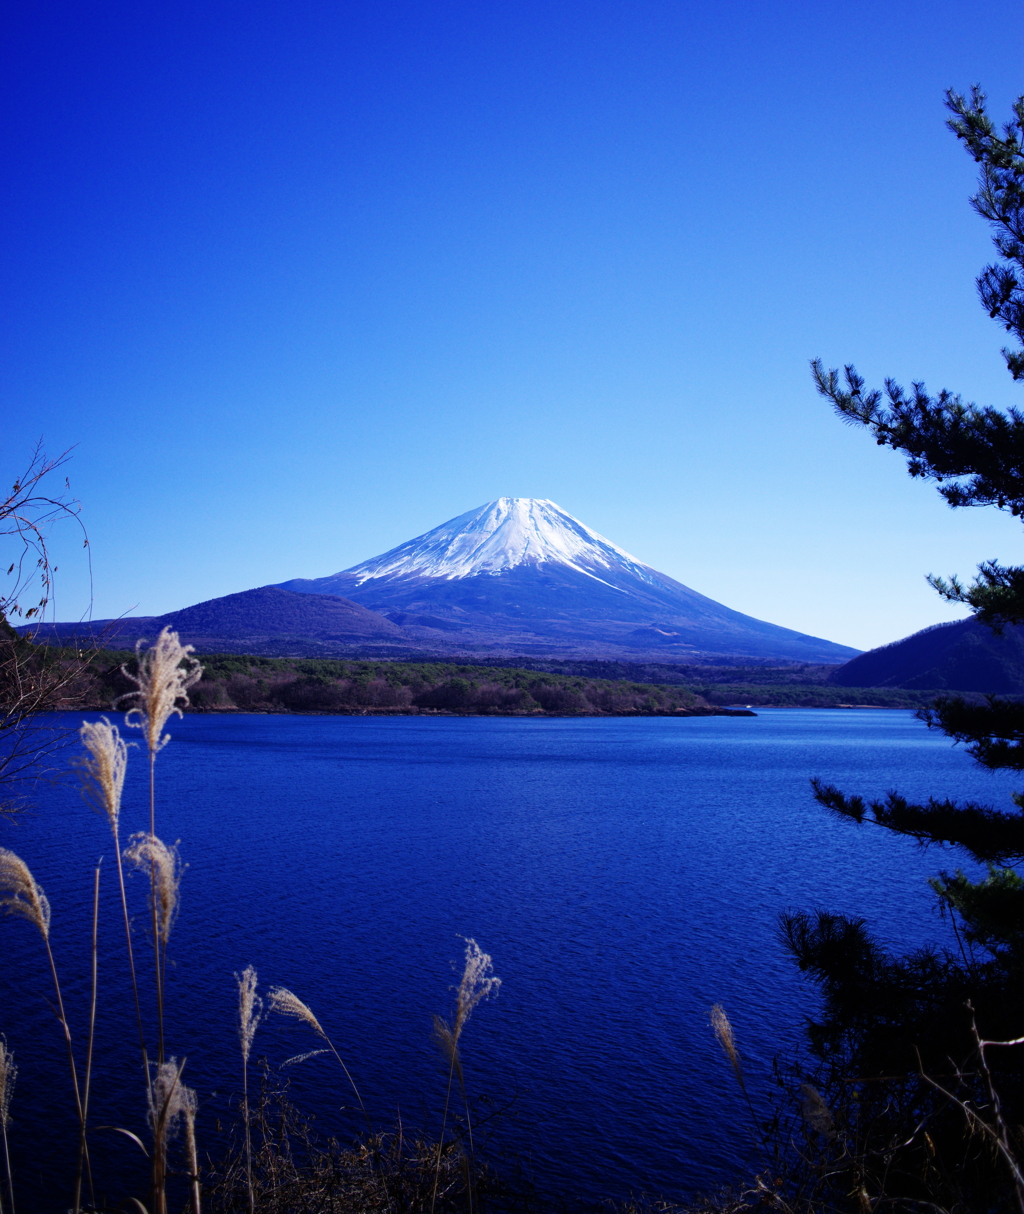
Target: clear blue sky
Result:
[304, 280]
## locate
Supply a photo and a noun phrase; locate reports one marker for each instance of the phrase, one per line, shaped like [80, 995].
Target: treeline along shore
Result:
[239, 683]
[233, 683]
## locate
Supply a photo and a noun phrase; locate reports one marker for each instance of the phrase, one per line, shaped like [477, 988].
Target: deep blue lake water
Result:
[625, 874]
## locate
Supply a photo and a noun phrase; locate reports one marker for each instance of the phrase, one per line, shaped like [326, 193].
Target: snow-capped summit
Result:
[500, 535]
[521, 575]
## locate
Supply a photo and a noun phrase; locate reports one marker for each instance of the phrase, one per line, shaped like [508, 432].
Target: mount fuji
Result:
[521, 575]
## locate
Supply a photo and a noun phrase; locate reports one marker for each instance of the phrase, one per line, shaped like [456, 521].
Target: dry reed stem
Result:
[189, 1108]
[82, 1145]
[21, 895]
[8, 1074]
[162, 684]
[163, 863]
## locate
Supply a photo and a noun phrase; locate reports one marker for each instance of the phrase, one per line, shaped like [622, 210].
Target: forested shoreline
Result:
[245, 683]
[240, 683]
[231, 683]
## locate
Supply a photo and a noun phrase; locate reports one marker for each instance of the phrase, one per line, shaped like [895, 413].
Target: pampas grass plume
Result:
[287, 1004]
[20, 894]
[723, 1031]
[477, 983]
[250, 1009]
[103, 767]
[168, 1100]
[162, 682]
[815, 1111]
[164, 866]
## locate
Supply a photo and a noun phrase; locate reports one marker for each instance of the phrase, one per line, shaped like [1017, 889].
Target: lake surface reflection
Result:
[625, 874]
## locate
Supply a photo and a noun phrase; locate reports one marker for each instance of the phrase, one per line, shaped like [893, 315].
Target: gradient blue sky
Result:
[301, 281]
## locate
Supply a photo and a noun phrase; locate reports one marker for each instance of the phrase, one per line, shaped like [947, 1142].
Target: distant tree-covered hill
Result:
[961, 656]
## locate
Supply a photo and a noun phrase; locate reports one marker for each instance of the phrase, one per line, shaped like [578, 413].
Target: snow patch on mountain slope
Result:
[501, 535]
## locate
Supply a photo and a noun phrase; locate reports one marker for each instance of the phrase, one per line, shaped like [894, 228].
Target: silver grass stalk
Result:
[477, 983]
[8, 1074]
[163, 864]
[165, 673]
[167, 1104]
[250, 1010]
[103, 771]
[150, 854]
[189, 1108]
[285, 1003]
[20, 893]
[815, 1111]
[103, 768]
[166, 1100]
[723, 1031]
[162, 684]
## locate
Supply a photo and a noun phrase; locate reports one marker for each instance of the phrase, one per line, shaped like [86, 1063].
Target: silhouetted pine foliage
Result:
[911, 1042]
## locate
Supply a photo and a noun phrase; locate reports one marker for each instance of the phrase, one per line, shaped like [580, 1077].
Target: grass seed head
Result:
[723, 1031]
[250, 1010]
[815, 1111]
[163, 864]
[20, 894]
[477, 984]
[287, 1004]
[103, 767]
[167, 1100]
[162, 682]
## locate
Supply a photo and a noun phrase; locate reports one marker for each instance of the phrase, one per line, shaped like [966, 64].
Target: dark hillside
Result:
[271, 612]
[961, 656]
[267, 619]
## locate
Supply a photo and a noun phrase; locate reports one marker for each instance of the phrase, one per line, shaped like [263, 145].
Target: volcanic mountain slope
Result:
[520, 575]
[267, 620]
